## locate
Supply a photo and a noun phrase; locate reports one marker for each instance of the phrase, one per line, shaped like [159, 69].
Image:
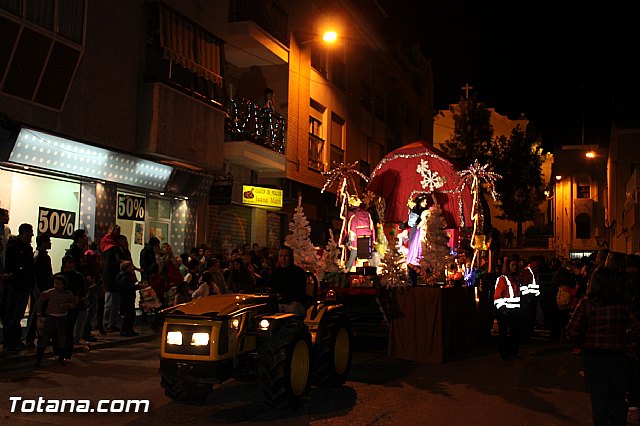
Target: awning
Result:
[189, 45]
[44, 151]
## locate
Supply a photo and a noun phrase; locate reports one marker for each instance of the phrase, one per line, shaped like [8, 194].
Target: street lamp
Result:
[590, 154]
[330, 37]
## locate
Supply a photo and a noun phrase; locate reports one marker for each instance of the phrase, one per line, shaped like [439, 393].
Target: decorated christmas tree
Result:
[329, 264]
[394, 268]
[435, 251]
[304, 253]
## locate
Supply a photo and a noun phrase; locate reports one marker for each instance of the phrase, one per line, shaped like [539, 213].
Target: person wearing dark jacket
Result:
[148, 256]
[290, 282]
[44, 273]
[77, 284]
[78, 247]
[19, 284]
[127, 286]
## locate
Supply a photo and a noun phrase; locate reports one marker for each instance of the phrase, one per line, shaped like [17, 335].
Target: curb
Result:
[11, 361]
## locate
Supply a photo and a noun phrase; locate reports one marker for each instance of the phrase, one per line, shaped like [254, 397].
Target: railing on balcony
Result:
[269, 15]
[248, 121]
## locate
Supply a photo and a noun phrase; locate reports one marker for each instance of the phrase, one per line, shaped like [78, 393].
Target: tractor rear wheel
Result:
[332, 352]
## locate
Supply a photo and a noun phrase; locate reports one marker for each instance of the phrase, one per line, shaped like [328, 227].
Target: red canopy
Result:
[415, 169]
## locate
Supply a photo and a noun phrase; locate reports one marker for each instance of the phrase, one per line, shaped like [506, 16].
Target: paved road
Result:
[542, 389]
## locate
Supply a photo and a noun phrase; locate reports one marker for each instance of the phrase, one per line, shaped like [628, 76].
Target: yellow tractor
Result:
[210, 340]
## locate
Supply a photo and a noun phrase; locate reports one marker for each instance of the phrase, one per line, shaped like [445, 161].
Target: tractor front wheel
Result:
[284, 366]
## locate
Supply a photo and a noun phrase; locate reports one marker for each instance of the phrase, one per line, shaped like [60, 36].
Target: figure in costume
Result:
[358, 225]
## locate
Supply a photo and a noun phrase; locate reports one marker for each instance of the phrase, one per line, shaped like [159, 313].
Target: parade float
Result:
[416, 195]
[404, 262]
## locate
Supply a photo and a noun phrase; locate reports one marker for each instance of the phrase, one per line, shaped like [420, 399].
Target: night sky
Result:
[557, 62]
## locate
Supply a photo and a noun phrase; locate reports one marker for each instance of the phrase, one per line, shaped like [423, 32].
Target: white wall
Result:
[27, 193]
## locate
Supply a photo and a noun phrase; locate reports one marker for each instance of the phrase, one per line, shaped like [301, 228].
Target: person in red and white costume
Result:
[506, 300]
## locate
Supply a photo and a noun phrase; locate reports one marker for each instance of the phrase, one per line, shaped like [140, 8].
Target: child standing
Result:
[59, 302]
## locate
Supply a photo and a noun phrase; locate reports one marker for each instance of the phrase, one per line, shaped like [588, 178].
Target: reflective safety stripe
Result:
[510, 302]
[533, 287]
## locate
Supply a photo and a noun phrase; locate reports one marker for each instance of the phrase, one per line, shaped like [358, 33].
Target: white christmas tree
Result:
[304, 253]
[329, 263]
[435, 251]
[394, 268]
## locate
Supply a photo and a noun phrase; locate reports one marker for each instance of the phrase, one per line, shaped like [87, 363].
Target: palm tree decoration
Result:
[473, 177]
[343, 177]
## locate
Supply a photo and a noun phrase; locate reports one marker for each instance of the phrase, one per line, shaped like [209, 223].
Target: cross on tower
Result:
[466, 89]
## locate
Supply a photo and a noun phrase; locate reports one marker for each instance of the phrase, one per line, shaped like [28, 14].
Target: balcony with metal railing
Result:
[254, 136]
[270, 16]
[258, 33]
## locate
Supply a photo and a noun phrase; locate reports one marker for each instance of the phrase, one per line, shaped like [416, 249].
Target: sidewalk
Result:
[12, 360]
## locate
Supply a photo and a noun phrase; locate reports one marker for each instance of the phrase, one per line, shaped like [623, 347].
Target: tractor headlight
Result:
[264, 324]
[200, 339]
[174, 338]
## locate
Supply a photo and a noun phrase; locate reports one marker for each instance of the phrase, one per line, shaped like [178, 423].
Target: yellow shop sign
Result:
[258, 196]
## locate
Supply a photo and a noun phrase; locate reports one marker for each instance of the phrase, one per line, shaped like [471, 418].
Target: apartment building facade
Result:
[155, 115]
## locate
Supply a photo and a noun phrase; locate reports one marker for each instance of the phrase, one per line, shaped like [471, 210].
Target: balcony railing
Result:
[268, 15]
[249, 122]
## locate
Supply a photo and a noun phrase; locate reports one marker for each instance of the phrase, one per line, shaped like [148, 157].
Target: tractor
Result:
[213, 339]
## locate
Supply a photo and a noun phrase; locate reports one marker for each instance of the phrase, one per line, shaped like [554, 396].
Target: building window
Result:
[583, 226]
[41, 13]
[12, 6]
[337, 127]
[584, 190]
[183, 55]
[319, 60]
[337, 156]
[39, 63]
[379, 107]
[316, 144]
[338, 72]
[365, 99]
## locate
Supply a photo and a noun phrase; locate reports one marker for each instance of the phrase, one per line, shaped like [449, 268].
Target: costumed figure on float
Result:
[358, 233]
[342, 178]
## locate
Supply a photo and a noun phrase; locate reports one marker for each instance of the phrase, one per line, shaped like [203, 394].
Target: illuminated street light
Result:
[330, 37]
[590, 154]
[558, 177]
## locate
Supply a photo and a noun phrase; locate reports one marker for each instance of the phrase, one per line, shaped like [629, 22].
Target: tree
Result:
[394, 268]
[329, 264]
[304, 253]
[518, 159]
[435, 251]
[472, 133]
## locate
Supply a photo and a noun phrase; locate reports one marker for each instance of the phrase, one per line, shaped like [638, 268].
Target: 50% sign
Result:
[56, 223]
[130, 207]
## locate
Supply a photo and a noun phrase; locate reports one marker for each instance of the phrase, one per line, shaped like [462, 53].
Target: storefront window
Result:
[158, 208]
[36, 200]
[159, 219]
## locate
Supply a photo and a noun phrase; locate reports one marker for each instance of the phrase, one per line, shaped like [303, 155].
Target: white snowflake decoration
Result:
[430, 178]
